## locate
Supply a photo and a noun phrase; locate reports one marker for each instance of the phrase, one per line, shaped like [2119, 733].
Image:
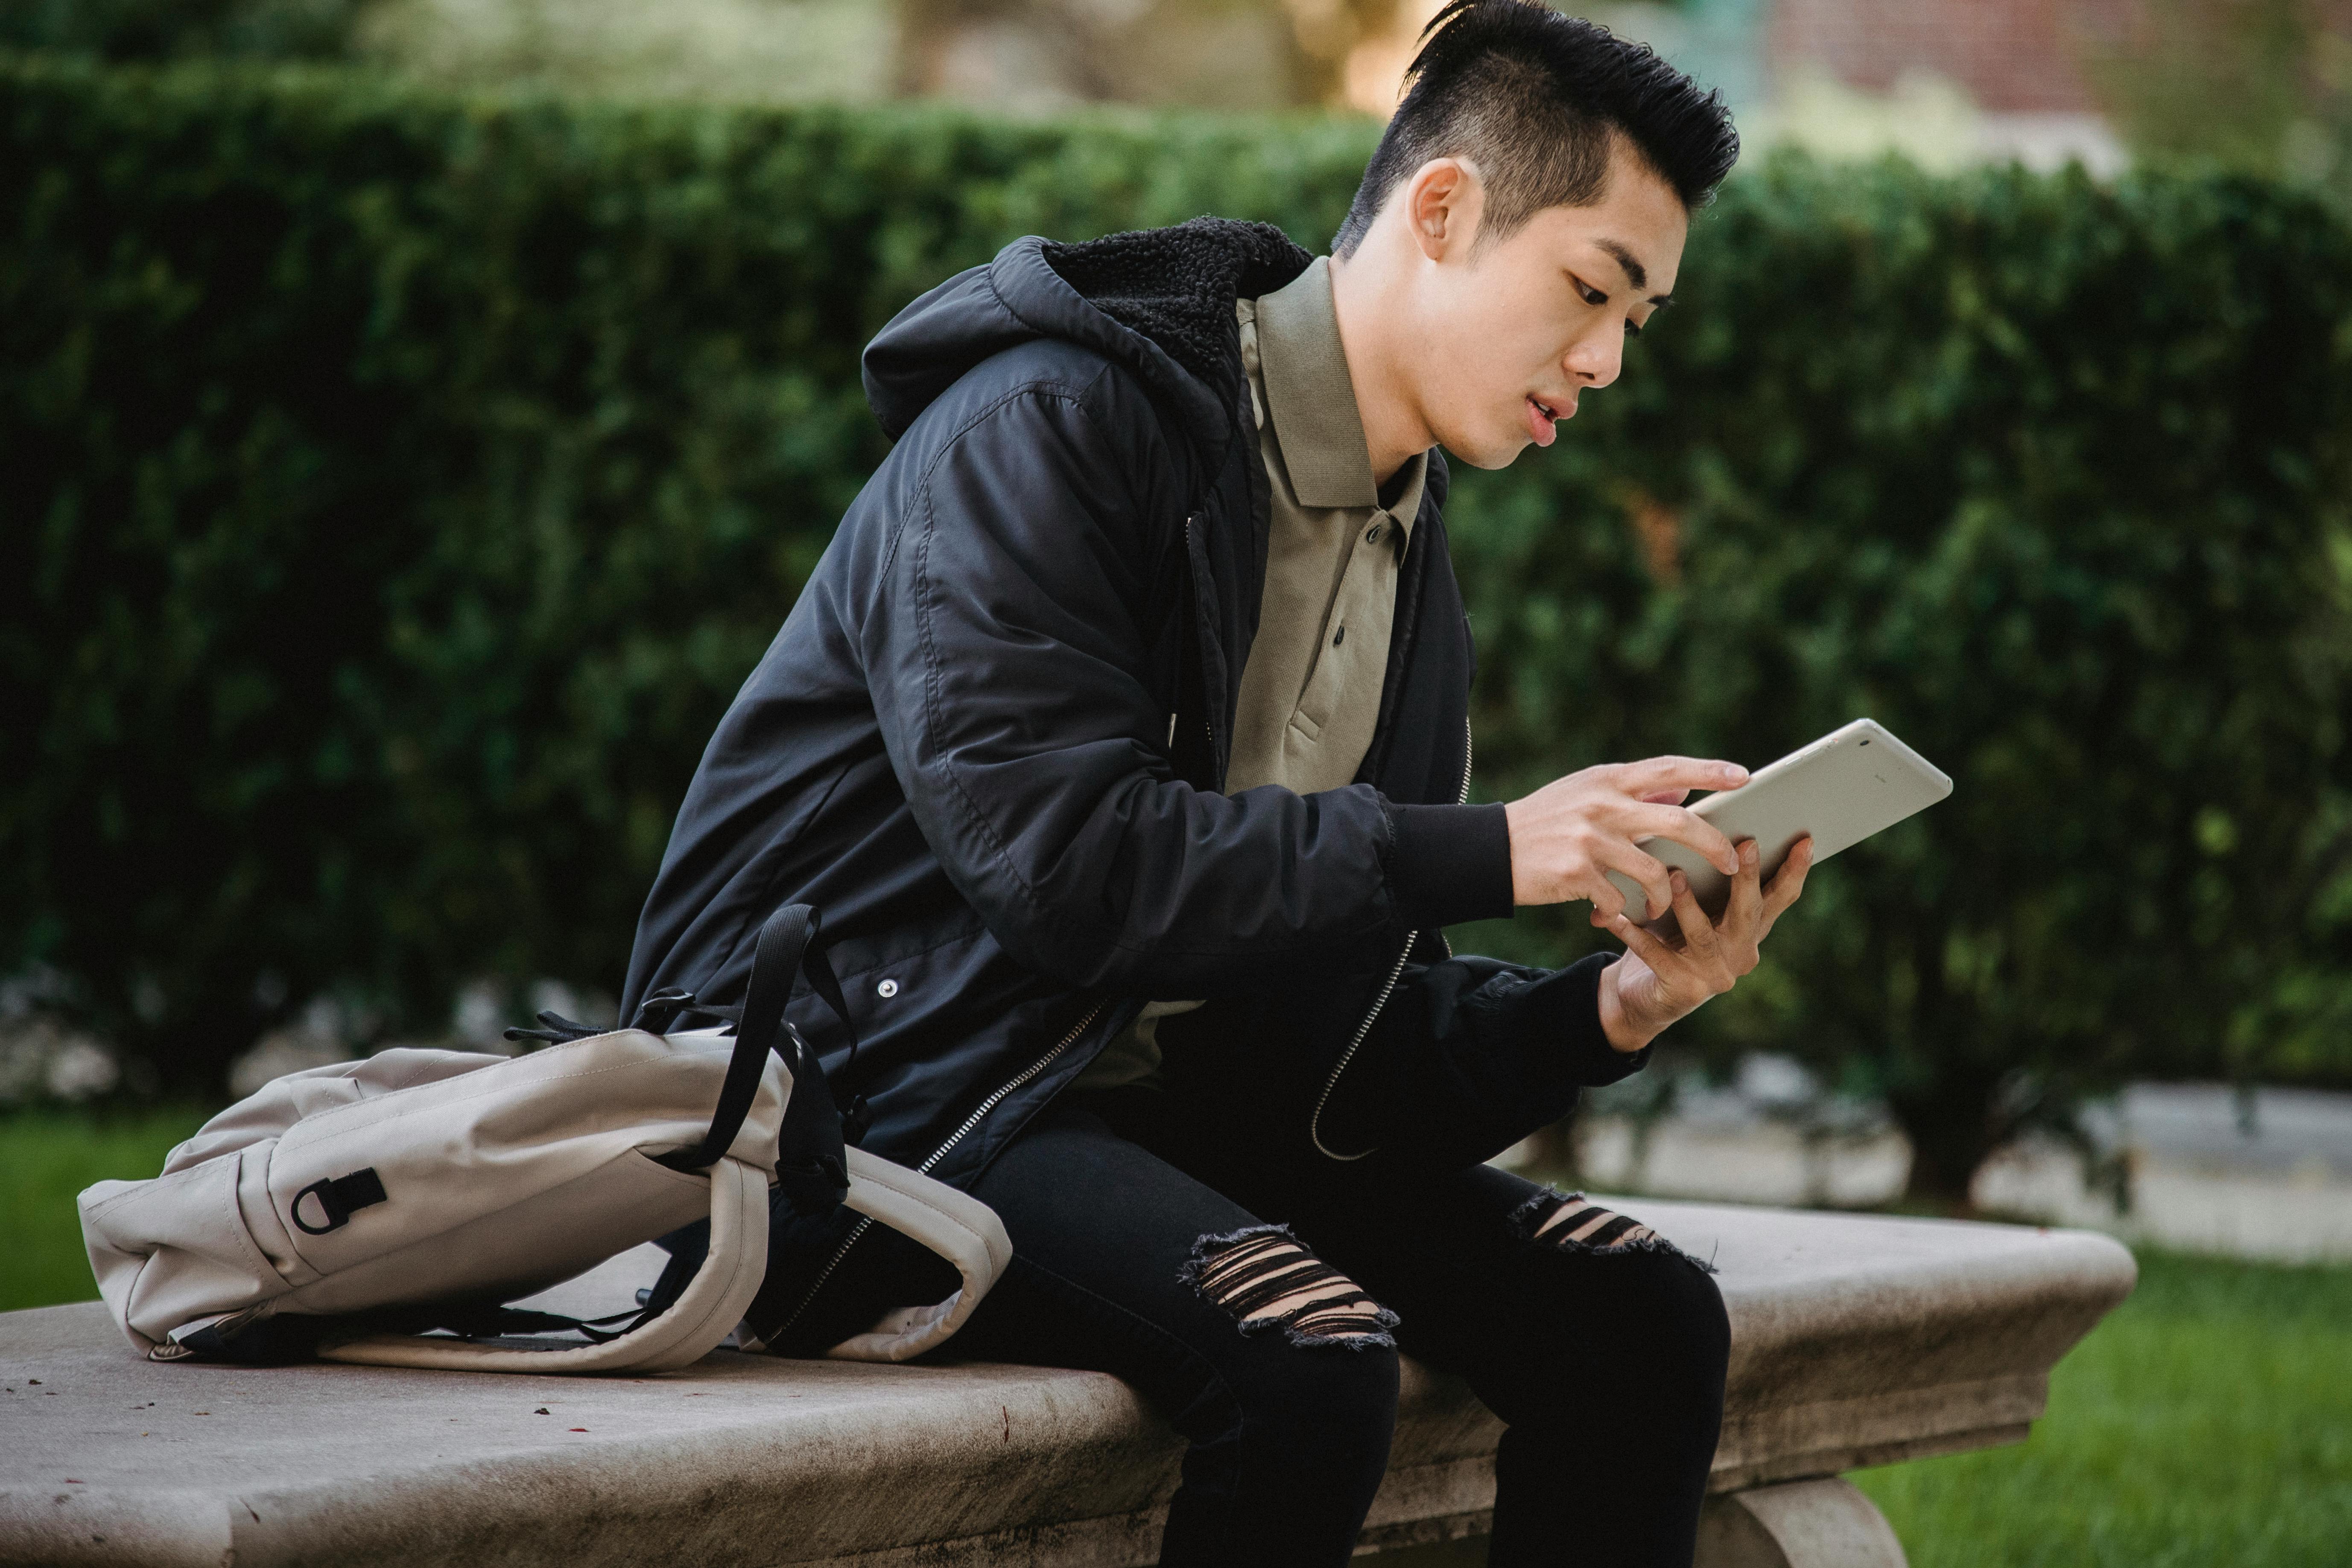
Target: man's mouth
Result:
[1541, 416]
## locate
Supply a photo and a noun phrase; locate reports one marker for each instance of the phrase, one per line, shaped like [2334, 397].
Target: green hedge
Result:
[399, 486]
[2052, 480]
[180, 30]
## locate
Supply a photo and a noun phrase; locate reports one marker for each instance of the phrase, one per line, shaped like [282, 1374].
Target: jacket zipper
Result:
[990, 1103]
[1209, 732]
[1314, 1124]
[1396, 972]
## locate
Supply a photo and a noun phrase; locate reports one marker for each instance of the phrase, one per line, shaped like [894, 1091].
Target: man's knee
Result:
[1668, 1336]
[1266, 1282]
[1689, 1329]
[1340, 1404]
[1320, 1361]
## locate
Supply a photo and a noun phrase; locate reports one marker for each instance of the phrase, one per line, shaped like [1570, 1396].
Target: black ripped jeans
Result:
[1606, 1365]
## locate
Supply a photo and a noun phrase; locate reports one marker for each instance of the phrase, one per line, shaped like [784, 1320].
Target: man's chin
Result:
[1487, 454]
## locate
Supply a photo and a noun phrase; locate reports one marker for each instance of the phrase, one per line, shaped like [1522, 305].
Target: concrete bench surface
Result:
[1856, 1340]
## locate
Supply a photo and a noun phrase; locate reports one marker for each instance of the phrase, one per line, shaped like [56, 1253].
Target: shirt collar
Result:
[1312, 402]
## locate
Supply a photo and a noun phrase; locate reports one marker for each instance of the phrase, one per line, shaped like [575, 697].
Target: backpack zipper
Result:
[1396, 972]
[990, 1103]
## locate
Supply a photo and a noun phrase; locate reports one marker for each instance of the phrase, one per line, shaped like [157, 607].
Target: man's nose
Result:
[1595, 359]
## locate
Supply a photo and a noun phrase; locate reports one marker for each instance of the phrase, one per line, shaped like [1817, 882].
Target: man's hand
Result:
[1567, 835]
[1657, 982]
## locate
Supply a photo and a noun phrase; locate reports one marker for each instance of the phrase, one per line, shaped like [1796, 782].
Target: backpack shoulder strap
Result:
[958, 1226]
[809, 1169]
[713, 1303]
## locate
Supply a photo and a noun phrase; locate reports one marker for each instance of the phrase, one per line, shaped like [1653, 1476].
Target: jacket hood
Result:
[1158, 302]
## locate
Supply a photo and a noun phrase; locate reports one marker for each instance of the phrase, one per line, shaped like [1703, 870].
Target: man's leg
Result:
[1280, 1371]
[1602, 1349]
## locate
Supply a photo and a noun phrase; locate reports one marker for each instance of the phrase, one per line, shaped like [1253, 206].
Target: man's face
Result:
[1519, 329]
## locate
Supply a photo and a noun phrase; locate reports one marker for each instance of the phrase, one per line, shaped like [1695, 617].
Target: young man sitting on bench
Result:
[1121, 740]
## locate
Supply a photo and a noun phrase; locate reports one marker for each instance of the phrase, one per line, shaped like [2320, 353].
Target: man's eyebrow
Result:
[1635, 273]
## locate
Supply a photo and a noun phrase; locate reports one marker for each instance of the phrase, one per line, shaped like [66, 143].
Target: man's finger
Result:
[1654, 774]
[1745, 906]
[1683, 827]
[1787, 883]
[1661, 958]
[1618, 856]
[1607, 900]
[1698, 932]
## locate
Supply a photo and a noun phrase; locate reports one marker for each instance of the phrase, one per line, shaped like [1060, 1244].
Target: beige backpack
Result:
[362, 1211]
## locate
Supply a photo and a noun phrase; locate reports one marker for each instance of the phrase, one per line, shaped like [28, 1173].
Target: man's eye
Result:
[1591, 295]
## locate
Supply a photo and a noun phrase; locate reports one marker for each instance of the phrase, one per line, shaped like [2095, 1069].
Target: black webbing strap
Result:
[810, 1167]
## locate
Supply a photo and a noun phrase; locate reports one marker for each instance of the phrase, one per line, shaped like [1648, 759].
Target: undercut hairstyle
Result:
[1538, 100]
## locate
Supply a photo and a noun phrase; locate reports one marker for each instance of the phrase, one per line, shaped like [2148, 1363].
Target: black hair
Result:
[1536, 100]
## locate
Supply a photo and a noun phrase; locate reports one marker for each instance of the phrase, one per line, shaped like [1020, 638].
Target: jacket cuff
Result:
[1451, 864]
[1554, 1025]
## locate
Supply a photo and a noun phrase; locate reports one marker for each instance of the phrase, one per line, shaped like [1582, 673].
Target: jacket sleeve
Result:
[1003, 643]
[1468, 1057]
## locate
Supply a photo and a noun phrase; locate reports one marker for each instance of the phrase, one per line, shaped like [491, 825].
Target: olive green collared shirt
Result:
[1310, 693]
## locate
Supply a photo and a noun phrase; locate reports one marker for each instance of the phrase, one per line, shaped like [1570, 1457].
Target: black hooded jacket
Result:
[989, 741]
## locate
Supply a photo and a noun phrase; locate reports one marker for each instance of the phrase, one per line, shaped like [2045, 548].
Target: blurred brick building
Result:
[2010, 79]
[1946, 82]
[2011, 56]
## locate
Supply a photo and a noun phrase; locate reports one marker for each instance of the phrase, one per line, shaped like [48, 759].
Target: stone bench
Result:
[1856, 1340]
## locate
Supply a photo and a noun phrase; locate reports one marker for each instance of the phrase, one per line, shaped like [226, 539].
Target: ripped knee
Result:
[1572, 1222]
[1265, 1279]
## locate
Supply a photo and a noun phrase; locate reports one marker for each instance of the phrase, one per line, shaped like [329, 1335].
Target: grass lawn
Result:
[47, 1157]
[2206, 1423]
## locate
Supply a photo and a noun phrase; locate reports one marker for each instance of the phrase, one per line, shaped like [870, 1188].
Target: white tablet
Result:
[1842, 788]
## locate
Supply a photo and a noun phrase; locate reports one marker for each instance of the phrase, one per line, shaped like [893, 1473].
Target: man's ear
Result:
[1444, 202]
